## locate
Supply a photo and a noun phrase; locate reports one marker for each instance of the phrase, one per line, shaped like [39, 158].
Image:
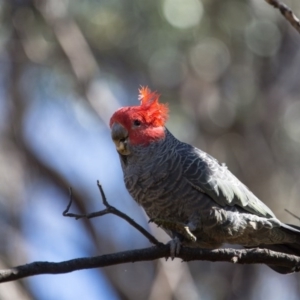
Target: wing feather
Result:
[206, 174]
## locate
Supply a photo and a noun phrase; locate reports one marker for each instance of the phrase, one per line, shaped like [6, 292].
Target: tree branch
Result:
[298, 218]
[245, 256]
[286, 12]
[109, 210]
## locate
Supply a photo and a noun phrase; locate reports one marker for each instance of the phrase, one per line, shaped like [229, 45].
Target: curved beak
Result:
[120, 137]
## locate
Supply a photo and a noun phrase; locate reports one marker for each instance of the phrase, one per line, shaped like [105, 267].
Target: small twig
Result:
[109, 210]
[298, 218]
[286, 12]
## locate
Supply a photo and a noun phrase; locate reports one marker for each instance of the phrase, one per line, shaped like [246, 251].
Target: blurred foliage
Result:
[230, 73]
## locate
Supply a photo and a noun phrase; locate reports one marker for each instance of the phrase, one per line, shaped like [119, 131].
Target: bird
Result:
[188, 193]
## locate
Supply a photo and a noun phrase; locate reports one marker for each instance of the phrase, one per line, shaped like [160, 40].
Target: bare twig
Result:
[109, 210]
[245, 256]
[298, 218]
[286, 12]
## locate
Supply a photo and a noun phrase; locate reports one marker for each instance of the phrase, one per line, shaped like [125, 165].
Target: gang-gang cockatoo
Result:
[193, 197]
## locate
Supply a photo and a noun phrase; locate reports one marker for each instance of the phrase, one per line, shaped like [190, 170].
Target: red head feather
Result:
[150, 111]
[154, 112]
[151, 115]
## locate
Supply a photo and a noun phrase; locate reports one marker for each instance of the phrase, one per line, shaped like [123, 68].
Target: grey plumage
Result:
[177, 182]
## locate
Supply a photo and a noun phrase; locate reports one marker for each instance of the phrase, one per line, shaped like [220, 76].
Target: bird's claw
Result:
[175, 245]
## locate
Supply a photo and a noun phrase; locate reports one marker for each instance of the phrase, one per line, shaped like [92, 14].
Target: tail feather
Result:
[293, 249]
[292, 228]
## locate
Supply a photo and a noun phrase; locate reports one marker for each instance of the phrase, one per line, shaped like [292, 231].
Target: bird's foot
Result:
[175, 226]
[175, 245]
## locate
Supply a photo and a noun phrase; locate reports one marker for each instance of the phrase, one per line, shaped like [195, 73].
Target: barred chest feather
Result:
[153, 177]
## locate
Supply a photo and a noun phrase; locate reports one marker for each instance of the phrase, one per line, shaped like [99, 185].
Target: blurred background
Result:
[230, 73]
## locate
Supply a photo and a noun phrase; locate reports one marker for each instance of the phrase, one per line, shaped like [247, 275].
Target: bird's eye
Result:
[136, 123]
